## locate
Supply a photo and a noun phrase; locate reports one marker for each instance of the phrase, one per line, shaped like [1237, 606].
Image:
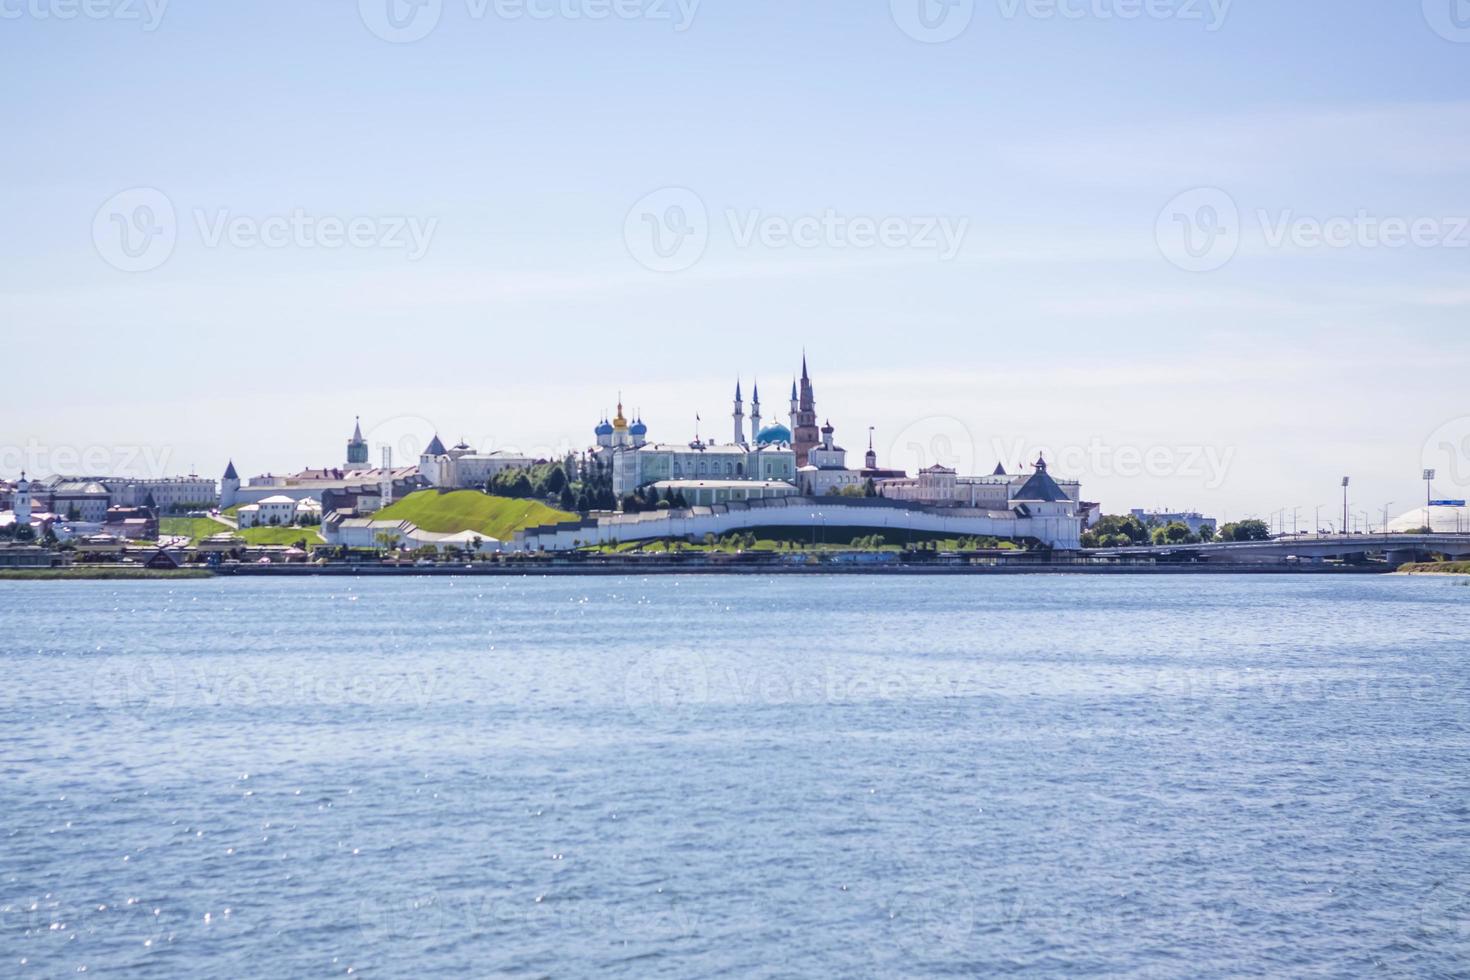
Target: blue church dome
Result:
[638, 428]
[772, 434]
[605, 429]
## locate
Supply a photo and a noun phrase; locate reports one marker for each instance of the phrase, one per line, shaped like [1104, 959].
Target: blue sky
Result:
[1059, 142]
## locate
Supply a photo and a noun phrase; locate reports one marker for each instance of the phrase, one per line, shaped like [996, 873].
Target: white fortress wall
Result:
[803, 512]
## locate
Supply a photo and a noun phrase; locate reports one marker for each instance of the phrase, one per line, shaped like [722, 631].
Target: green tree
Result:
[1251, 530]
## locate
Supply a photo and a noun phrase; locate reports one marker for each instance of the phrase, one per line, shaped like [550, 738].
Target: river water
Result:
[742, 776]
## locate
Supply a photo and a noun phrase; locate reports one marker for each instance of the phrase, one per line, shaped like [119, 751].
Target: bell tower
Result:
[804, 433]
[23, 502]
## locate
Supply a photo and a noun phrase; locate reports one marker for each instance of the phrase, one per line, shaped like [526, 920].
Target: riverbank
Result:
[523, 569]
[91, 573]
[1436, 568]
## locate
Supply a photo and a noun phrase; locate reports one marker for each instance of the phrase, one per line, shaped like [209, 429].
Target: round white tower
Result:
[23, 502]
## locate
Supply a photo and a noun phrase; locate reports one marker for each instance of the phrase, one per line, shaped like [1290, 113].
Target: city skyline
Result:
[551, 217]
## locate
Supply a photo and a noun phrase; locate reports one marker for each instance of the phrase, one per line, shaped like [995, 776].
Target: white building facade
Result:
[461, 468]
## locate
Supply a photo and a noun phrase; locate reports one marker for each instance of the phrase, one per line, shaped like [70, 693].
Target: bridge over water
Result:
[1397, 549]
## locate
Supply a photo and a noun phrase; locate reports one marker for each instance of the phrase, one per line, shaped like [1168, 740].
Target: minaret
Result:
[23, 502]
[739, 415]
[793, 407]
[755, 415]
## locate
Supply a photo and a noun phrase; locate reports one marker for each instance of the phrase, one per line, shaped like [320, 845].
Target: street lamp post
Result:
[1429, 476]
[1346, 525]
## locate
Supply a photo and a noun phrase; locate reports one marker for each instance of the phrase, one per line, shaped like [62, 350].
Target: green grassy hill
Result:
[194, 528]
[470, 510]
[199, 528]
[280, 535]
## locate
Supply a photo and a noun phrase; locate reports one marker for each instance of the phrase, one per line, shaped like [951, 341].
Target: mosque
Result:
[798, 453]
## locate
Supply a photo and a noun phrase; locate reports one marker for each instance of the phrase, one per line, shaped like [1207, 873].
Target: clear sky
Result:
[518, 165]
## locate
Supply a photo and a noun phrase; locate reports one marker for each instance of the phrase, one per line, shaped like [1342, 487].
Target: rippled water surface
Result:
[736, 776]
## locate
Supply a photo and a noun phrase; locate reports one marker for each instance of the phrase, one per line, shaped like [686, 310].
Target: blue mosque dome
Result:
[773, 434]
